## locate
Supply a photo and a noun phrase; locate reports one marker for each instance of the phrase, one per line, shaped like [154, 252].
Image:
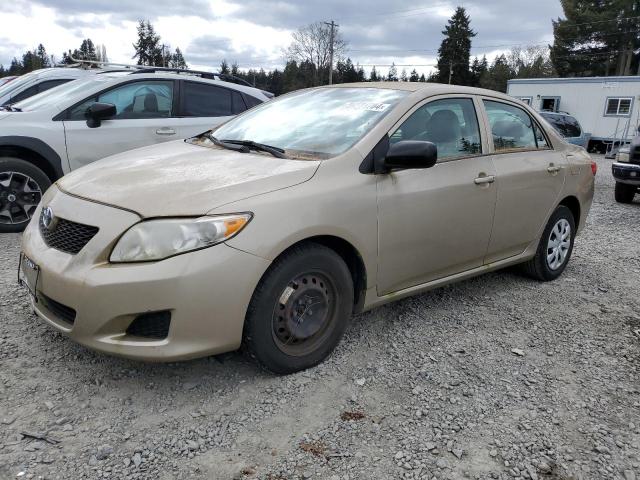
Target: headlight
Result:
[160, 239]
[622, 156]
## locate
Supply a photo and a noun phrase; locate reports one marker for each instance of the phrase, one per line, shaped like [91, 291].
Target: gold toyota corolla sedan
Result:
[272, 229]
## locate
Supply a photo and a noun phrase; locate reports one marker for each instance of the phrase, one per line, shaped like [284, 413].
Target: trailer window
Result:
[618, 106]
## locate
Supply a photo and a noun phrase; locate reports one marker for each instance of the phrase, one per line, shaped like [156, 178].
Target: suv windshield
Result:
[323, 122]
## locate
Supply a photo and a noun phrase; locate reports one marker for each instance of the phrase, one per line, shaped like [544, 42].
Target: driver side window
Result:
[451, 123]
[152, 99]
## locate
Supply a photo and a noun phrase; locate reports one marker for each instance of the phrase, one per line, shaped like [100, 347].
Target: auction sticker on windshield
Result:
[361, 106]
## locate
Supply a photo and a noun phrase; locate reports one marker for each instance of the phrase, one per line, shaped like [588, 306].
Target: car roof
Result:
[429, 89]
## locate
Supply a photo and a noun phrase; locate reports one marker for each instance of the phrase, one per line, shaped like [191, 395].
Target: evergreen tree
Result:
[422, 79]
[455, 50]
[374, 75]
[16, 68]
[392, 75]
[87, 50]
[224, 67]
[597, 37]
[176, 60]
[496, 77]
[147, 48]
[414, 77]
[478, 69]
[235, 68]
[403, 75]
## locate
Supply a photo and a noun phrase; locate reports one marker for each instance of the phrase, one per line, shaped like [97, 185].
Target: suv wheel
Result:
[299, 310]
[555, 247]
[21, 188]
[624, 193]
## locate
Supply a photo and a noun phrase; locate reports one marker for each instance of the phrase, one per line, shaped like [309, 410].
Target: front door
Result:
[436, 222]
[529, 178]
[144, 117]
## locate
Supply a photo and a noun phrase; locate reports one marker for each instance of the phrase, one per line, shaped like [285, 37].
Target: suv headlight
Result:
[622, 156]
[163, 238]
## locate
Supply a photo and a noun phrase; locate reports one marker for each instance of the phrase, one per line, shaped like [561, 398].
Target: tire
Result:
[309, 282]
[543, 267]
[624, 193]
[21, 188]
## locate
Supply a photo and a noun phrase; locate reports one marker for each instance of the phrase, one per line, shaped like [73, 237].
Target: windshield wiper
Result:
[10, 108]
[227, 145]
[260, 147]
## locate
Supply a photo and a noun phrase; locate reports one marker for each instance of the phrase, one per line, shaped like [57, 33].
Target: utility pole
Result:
[450, 71]
[163, 61]
[333, 25]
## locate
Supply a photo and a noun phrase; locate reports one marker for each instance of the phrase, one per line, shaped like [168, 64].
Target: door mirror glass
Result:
[99, 111]
[411, 154]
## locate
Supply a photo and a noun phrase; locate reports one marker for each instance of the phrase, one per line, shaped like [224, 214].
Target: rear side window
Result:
[29, 92]
[238, 103]
[49, 84]
[450, 123]
[512, 128]
[252, 101]
[202, 100]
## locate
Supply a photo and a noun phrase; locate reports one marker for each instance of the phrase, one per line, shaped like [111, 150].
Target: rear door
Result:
[204, 106]
[145, 116]
[530, 175]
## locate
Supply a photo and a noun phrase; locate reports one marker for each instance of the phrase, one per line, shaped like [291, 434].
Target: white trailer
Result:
[606, 107]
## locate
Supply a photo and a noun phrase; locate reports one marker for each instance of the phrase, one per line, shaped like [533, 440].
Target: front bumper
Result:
[207, 291]
[628, 173]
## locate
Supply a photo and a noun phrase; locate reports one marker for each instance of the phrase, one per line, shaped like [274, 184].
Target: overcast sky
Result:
[255, 32]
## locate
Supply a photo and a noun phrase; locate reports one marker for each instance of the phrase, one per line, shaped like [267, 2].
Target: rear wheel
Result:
[300, 309]
[555, 247]
[624, 193]
[21, 188]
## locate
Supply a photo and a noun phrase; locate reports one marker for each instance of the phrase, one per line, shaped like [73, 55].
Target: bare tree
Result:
[312, 44]
[531, 62]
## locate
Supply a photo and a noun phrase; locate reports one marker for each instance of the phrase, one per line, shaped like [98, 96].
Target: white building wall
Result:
[585, 99]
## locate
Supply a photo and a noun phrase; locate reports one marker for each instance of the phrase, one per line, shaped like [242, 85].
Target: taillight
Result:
[594, 167]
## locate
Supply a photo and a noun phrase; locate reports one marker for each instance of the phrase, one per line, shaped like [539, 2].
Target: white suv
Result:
[39, 81]
[50, 134]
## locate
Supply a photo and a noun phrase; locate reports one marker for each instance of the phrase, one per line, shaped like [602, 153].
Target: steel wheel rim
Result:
[559, 244]
[19, 196]
[304, 313]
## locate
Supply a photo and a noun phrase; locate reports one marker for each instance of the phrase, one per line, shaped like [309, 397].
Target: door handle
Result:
[553, 169]
[165, 131]
[484, 179]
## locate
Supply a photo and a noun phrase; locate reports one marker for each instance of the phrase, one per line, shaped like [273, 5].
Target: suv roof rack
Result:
[225, 77]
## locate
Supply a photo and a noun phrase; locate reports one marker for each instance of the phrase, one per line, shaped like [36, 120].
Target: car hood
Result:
[181, 179]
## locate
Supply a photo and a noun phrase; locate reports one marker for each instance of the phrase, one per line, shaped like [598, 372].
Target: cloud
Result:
[255, 32]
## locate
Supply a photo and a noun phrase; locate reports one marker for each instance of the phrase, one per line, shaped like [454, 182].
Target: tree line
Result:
[148, 50]
[594, 38]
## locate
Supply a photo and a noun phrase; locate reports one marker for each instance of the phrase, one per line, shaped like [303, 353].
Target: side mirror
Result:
[98, 112]
[411, 154]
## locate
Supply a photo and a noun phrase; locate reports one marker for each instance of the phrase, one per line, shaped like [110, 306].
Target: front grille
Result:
[151, 325]
[61, 311]
[65, 235]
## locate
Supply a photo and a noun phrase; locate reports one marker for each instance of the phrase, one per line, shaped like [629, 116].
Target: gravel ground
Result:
[496, 377]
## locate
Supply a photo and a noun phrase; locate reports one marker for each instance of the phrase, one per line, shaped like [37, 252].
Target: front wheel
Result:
[299, 310]
[555, 247]
[624, 193]
[21, 188]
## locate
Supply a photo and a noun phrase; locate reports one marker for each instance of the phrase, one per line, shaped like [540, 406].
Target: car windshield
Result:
[57, 94]
[321, 123]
